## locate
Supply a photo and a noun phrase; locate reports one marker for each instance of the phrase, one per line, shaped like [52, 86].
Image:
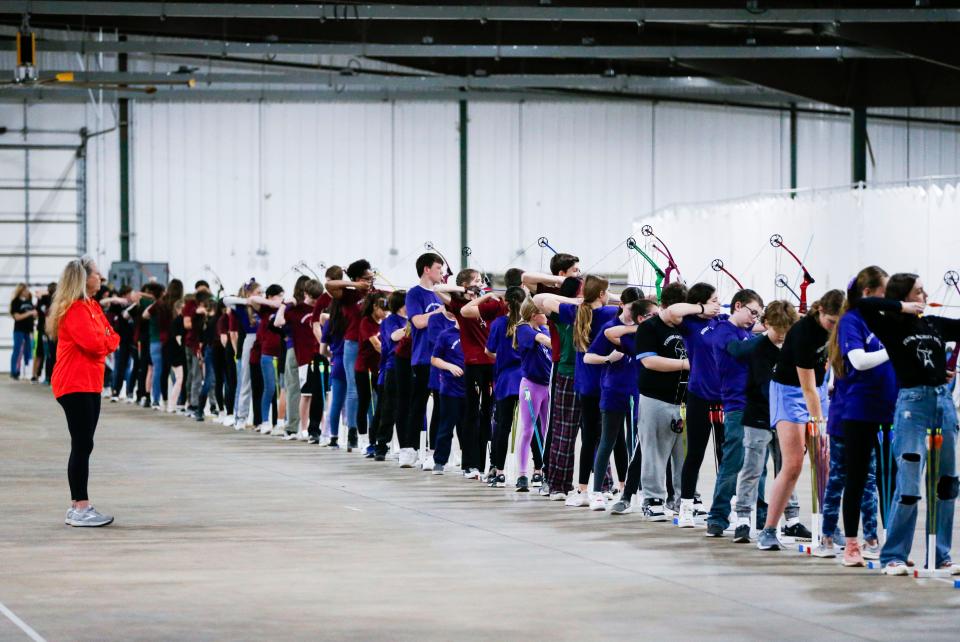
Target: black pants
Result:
[478, 415]
[388, 412]
[611, 441]
[364, 397]
[434, 427]
[142, 391]
[403, 388]
[860, 442]
[219, 375]
[419, 393]
[256, 389]
[702, 417]
[451, 414]
[229, 378]
[591, 428]
[318, 377]
[83, 411]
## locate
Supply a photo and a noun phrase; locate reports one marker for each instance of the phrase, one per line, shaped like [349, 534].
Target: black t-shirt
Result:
[915, 344]
[43, 307]
[208, 334]
[19, 306]
[656, 337]
[804, 347]
[761, 361]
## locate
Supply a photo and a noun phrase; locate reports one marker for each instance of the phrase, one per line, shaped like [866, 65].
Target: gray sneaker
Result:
[438, 469]
[622, 507]
[768, 541]
[87, 517]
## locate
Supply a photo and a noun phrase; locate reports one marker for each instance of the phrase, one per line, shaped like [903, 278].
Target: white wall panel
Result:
[823, 151]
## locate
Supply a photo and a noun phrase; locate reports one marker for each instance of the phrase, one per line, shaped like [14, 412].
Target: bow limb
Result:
[777, 241]
[658, 284]
[952, 278]
[718, 266]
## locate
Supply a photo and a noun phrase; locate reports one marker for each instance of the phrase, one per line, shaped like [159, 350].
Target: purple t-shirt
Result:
[704, 379]
[534, 357]
[420, 301]
[435, 327]
[336, 352]
[506, 368]
[447, 347]
[869, 395]
[618, 381]
[586, 378]
[733, 384]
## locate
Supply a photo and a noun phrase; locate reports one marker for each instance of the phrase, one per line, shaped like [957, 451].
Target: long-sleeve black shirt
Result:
[915, 343]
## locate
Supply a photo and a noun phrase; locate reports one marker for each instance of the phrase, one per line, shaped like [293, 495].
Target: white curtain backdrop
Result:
[835, 232]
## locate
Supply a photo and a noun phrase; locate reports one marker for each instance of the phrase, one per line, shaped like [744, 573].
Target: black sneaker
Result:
[500, 481]
[198, 416]
[522, 485]
[333, 443]
[742, 534]
[313, 439]
[797, 531]
[653, 510]
[380, 457]
[351, 440]
[714, 530]
[537, 480]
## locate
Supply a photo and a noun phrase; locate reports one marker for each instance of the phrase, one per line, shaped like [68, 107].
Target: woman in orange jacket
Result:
[84, 339]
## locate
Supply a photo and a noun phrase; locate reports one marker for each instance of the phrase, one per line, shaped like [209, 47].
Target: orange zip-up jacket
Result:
[84, 340]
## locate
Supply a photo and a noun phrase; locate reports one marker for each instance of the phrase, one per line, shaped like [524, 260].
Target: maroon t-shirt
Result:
[223, 324]
[368, 359]
[269, 338]
[350, 302]
[474, 332]
[255, 352]
[554, 334]
[404, 347]
[299, 323]
[191, 336]
[321, 304]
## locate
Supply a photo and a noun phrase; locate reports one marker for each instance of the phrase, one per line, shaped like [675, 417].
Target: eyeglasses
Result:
[754, 312]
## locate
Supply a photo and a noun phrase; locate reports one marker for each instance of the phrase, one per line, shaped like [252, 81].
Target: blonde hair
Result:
[18, 291]
[71, 287]
[593, 287]
[527, 312]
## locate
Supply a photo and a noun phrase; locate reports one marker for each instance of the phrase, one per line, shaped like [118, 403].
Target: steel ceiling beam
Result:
[220, 48]
[335, 11]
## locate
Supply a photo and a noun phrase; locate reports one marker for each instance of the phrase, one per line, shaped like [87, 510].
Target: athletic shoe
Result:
[672, 506]
[714, 530]
[870, 551]
[544, 490]
[380, 457]
[473, 473]
[698, 508]
[156, 407]
[950, 567]
[852, 555]
[315, 439]
[289, 436]
[797, 531]
[537, 480]
[229, 420]
[87, 517]
[438, 469]
[597, 501]
[612, 494]
[333, 444]
[523, 486]
[428, 462]
[557, 496]
[500, 481]
[113, 398]
[895, 568]
[371, 450]
[303, 435]
[741, 535]
[653, 510]
[266, 429]
[352, 440]
[239, 427]
[278, 431]
[408, 457]
[685, 518]
[623, 506]
[768, 540]
[490, 478]
[577, 499]
[282, 424]
[826, 549]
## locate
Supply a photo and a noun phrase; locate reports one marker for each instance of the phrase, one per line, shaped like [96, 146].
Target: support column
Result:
[858, 153]
[463, 184]
[793, 150]
[124, 134]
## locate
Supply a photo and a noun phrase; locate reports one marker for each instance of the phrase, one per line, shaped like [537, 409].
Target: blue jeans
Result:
[350, 351]
[338, 393]
[833, 494]
[156, 357]
[730, 464]
[269, 369]
[917, 410]
[209, 375]
[22, 347]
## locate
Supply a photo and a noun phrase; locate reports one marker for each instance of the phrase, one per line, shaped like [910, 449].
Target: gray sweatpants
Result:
[757, 442]
[291, 381]
[659, 443]
[242, 407]
[194, 377]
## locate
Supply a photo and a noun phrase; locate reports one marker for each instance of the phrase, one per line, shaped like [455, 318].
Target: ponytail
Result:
[869, 278]
[593, 287]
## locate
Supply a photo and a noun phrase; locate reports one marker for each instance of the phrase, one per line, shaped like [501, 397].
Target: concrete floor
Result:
[221, 535]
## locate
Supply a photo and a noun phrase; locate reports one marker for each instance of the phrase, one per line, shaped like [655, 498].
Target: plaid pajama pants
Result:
[564, 422]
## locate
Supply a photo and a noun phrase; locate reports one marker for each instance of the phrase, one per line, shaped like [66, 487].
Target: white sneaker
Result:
[685, 518]
[408, 458]
[428, 462]
[229, 420]
[265, 429]
[577, 499]
[597, 501]
[473, 473]
[303, 435]
[558, 496]
[239, 427]
[289, 436]
[278, 432]
[282, 424]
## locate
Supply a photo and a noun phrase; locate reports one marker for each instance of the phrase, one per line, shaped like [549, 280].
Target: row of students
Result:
[643, 382]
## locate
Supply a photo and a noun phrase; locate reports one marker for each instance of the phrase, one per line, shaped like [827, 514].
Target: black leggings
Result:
[83, 411]
[611, 440]
[860, 441]
[591, 425]
[419, 393]
[477, 419]
[364, 398]
[256, 388]
[402, 382]
[229, 377]
[318, 377]
[387, 408]
[702, 417]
